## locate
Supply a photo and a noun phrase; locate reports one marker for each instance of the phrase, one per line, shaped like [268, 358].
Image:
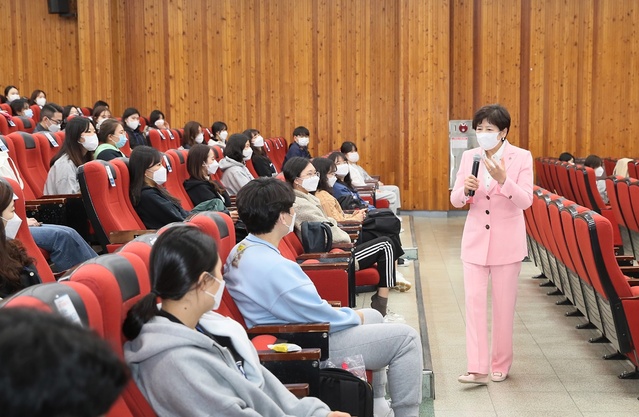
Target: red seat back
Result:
[49, 146]
[29, 159]
[173, 185]
[159, 139]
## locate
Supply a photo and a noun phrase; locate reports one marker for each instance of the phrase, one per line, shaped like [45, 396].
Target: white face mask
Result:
[99, 123]
[223, 135]
[487, 140]
[599, 171]
[212, 167]
[133, 124]
[218, 294]
[291, 227]
[342, 170]
[310, 184]
[90, 142]
[303, 141]
[12, 97]
[28, 113]
[332, 180]
[199, 138]
[41, 101]
[54, 128]
[258, 142]
[248, 153]
[159, 176]
[159, 123]
[12, 226]
[352, 157]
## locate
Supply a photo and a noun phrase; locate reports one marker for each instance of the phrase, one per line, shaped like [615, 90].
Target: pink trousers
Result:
[504, 296]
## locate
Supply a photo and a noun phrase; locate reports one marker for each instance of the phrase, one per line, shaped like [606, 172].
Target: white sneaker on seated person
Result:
[401, 284]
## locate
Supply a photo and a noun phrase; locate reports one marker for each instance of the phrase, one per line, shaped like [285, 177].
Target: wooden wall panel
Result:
[40, 51]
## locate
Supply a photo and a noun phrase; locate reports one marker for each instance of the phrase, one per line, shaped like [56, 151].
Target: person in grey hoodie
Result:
[236, 153]
[190, 361]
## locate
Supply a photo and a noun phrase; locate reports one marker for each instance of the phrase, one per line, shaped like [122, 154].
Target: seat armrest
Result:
[125, 236]
[299, 390]
[630, 271]
[308, 354]
[624, 260]
[324, 255]
[288, 328]
[324, 266]
[350, 226]
[633, 282]
[335, 303]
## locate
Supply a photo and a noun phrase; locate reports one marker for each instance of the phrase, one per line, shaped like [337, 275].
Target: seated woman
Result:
[343, 189]
[268, 288]
[20, 107]
[359, 177]
[201, 164]
[157, 120]
[220, 132]
[11, 93]
[111, 138]
[155, 206]
[190, 361]
[192, 135]
[17, 270]
[99, 115]
[301, 174]
[38, 97]
[567, 157]
[69, 112]
[80, 141]
[236, 174]
[261, 162]
[595, 162]
[131, 119]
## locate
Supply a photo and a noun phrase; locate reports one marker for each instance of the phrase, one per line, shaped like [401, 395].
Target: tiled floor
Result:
[556, 372]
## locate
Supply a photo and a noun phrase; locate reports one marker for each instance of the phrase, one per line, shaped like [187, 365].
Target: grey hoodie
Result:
[236, 175]
[182, 372]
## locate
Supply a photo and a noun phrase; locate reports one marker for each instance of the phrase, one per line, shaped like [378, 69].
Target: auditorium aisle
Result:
[556, 372]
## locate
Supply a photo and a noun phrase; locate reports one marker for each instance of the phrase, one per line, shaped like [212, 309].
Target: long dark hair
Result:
[74, 130]
[178, 258]
[347, 179]
[198, 155]
[191, 130]
[324, 166]
[293, 168]
[13, 256]
[143, 158]
[235, 146]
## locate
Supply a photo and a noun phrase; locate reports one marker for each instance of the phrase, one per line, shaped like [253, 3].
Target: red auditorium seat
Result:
[23, 124]
[159, 139]
[49, 145]
[36, 112]
[28, 157]
[173, 184]
[612, 187]
[632, 169]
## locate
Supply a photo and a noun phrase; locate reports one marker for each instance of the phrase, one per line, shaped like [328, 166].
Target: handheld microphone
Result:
[474, 171]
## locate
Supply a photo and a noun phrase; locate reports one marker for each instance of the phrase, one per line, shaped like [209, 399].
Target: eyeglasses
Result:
[56, 121]
[311, 174]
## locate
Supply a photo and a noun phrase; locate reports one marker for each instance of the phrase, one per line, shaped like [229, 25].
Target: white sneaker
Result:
[392, 317]
[407, 262]
[401, 284]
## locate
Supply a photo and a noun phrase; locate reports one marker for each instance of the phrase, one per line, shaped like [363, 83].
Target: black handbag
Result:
[316, 237]
[343, 391]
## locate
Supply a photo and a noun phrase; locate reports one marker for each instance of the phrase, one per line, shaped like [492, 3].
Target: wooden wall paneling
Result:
[537, 129]
[424, 96]
[585, 67]
[215, 50]
[462, 59]
[176, 60]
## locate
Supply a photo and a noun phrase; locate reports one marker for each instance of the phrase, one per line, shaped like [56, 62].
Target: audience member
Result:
[236, 174]
[299, 148]
[595, 162]
[52, 367]
[131, 119]
[343, 189]
[200, 187]
[567, 157]
[79, 143]
[111, 137]
[189, 360]
[100, 103]
[50, 119]
[153, 203]
[261, 162]
[69, 112]
[157, 120]
[621, 167]
[20, 107]
[269, 288]
[100, 114]
[359, 177]
[219, 130]
[192, 135]
[38, 97]
[11, 93]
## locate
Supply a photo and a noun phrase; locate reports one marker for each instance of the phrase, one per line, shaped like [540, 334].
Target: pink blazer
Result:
[495, 229]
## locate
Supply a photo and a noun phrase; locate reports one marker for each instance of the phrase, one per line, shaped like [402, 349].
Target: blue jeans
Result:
[65, 246]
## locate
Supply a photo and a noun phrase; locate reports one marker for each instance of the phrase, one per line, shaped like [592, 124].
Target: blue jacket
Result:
[296, 150]
[270, 289]
[340, 190]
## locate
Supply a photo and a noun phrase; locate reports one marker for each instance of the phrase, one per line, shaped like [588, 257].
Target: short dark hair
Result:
[593, 161]
[347, 179]
[301, 131]
[49, 109]
[348, 147]
[128, 112]
[261, 201]
[107, 128]
[293, 168]
[217, 127]
[100, 103]
[494, 114]
[55, 368]
[97, 111]
[178, 258]
[235, 145]
[18, 105]
[566, 157]
[323, 166]
[155, 116]
[8, 88]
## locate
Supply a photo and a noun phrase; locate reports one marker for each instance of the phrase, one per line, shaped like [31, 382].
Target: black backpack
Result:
[316, 237]
[343, 391]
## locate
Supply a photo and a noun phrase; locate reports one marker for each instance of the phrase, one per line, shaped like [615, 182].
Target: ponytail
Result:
[143, 311]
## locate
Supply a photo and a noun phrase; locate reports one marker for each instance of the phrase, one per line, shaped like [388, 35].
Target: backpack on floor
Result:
[343, 391]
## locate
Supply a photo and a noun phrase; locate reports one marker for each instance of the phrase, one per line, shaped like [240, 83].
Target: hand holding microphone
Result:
[471, 183]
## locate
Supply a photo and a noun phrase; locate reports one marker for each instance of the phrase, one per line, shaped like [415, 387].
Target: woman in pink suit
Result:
[494, 241]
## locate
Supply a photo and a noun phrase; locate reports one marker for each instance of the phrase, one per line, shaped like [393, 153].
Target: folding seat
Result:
[566, 266]
[22, 124]
[564, 181]
[251, 168]
[629, 205]
[44, 296]
[279, 152]
[105, 193]
[613, 290]
[4, 126]
[159, 139]
[572, 176]
[36, 112]
[632, 169]
[29, 159]
[126, 149]
[615, 205]
[86, 111]
[540, 208]
[175, 139]
[141, 246]
[269, 148]
[180, 158]
[49, 146]
[173, 184]
[6, 107]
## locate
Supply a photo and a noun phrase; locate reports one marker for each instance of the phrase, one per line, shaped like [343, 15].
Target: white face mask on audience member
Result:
[133, 124]
[303, 141]
[599, 172]
[342, 170]
[353, 157]
[90, 142]
[212, 167]
[223, 135]
[247, 153]
[12, 225]
[217, 297]
[41, 101]
[12, 97]
[199, 138]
